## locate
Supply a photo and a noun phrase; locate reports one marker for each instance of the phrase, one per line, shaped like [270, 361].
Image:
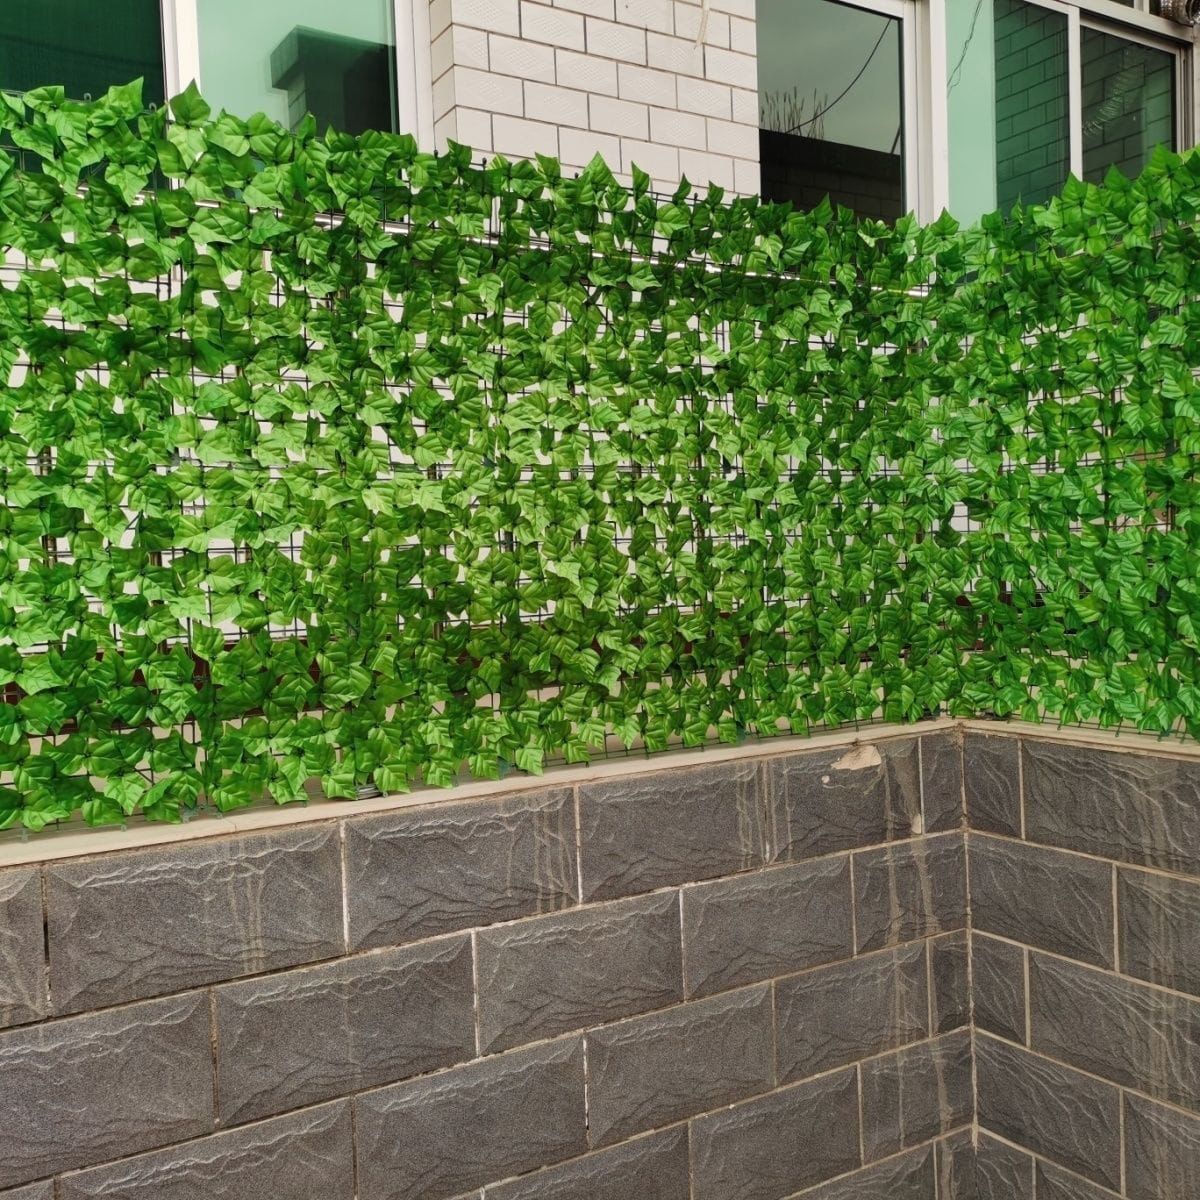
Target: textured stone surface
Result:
[126, 926]
[22, 954]
[648, 1168]
[441, 1136]
[942, 781]
[998, 987]
[1002, 1172]
[1136, 808]
[1162, 1152]
[955, 1159]
[298, 1157]
[1053, 1183]
[841, 799]
[1160, 929]
[1042, 897]
[1128, 1032]
[916, 1094]
[653, 1070]
[101, 1086]
[33, 1191]
[419, 872]
[738, 931]
[948, 973]
[977, 1167]
[1050, 1109]
[775, 1145]
[549, 975]
[839, 1014]
[319, 1032]
[907, 1177]
[992, 769]
[912, 891]
[671, 827]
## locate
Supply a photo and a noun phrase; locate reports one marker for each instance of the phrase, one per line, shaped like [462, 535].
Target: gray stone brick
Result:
[654, 1070]
[955, 1158]
[646, 832]
[949, 974]
[1160, 929]
[912, 891]
[654, 1167]
[777, 1144]
[1050, 1109]
[1162, 1152]
[916, 1094]
[443, 1135]
[418, 872]
[22, 952]
[33, 1191]
[302, 1156]
[1002, 1172]
[1053, 1183]
[846, 798]
[998, 985]
[739, 931]
[1135, 808]
[550, 975]
[840, 1014]
[906, 1177]
[992, 766]
[102, 1086]
[320, 1032]
[942, 781]
[140, 923]
[1044, 898]
[1133, 1034]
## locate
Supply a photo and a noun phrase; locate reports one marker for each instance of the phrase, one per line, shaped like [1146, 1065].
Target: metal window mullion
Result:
[181, 44]
[414, 70]
[931, 107]
[1075, 91]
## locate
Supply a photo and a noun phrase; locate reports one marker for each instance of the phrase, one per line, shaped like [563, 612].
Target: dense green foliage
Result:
[535, 460]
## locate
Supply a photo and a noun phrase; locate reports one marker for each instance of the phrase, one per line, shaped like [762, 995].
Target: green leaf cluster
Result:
[324, 457]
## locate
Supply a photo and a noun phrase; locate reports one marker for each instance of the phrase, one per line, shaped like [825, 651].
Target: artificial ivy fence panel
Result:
[327, 458]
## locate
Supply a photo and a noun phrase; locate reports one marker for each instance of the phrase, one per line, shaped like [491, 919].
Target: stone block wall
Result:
[634, 987]
[937, 965]
[671, 85]
[1084, 870]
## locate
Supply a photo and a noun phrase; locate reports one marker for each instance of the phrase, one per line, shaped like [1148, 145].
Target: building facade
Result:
[886, 106]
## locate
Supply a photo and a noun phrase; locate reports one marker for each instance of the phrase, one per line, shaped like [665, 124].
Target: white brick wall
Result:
[667, 84]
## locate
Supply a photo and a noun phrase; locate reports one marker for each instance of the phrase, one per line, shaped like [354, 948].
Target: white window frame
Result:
[414, 71]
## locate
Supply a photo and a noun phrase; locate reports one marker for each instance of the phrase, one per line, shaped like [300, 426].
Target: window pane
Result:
[85, 45]
[333, 58]
[830, 101]
[971, 107]
[1128, 103]
[1033, 148]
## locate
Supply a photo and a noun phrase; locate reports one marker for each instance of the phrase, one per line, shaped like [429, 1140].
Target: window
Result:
[1062, 90]
[831, 80]
[286, 58]
[353, 63]
[83, 45]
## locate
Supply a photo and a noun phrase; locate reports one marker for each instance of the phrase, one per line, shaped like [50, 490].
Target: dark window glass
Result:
[830, 102]
[1128, 103]
[1033, 144]
[85, 45]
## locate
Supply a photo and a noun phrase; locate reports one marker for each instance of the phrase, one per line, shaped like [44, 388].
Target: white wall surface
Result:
[670, 85]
